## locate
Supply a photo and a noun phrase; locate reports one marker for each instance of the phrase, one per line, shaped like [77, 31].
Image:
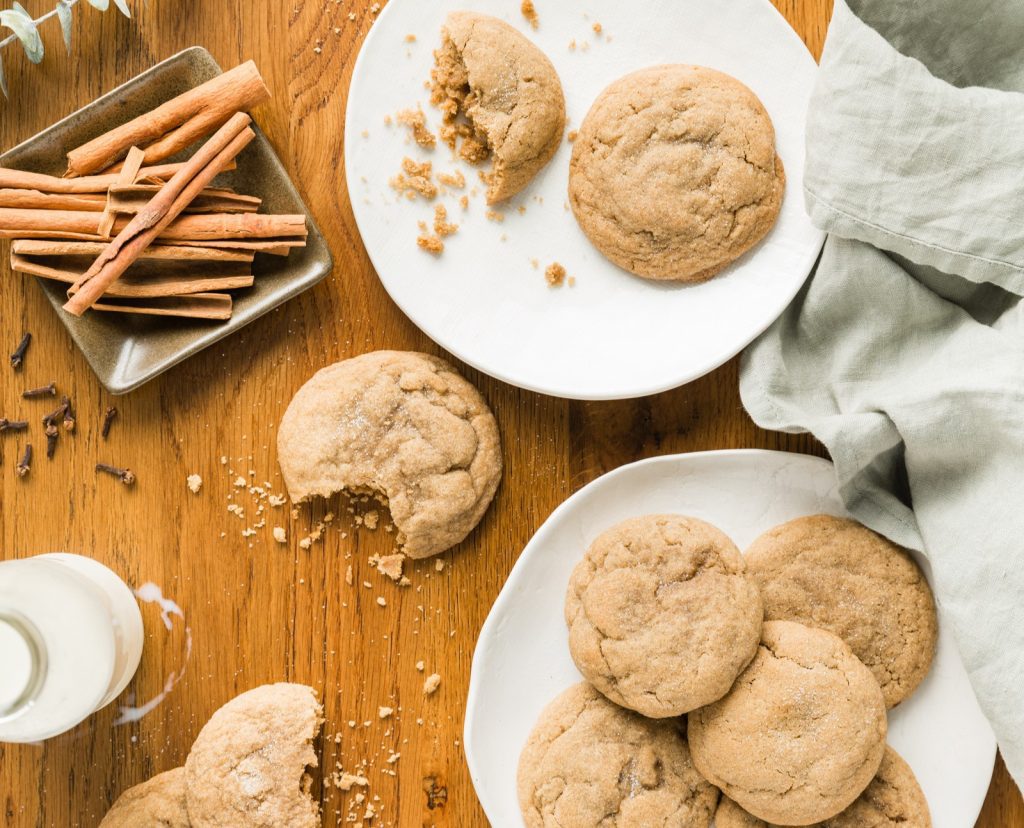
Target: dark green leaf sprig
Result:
[26, 29]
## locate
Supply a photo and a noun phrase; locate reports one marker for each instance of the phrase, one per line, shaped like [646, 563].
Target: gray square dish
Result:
[126, 351]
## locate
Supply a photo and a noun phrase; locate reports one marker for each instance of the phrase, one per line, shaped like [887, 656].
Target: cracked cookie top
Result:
[662, 617]
[894, 799]
[591, 764]
[674, 173]
[801, 733]
[404, 426]
[840, 576]
[158, 802]
[501, 96]
[247, 768]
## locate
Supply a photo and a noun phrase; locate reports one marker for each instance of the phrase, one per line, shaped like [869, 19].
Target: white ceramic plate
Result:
[612, 335]
[522, 657]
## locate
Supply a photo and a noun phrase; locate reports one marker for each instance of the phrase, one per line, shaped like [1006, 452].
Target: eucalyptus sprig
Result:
[25, 28]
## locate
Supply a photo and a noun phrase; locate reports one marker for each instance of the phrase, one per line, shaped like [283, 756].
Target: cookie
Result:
[662, 617]
[404, 426]
[892, 800]
[156, 803]
[835, 574]
[509, 94]
[801, 733]
[247, 768]
[674, 173]
[591, 764]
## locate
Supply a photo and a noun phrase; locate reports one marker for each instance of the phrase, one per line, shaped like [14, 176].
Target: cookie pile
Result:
[764, 677]
[246, 769]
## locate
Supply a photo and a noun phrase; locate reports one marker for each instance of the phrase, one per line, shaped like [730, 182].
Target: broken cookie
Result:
[405, 427]
[500, 97]
[247, 768]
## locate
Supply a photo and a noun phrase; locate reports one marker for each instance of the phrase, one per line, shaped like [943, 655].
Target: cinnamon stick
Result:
[44, 247]
[215, 306]
[128, 199]
[43, 224]
[174, 197]
[272, 247]
[146, 278]
[175, 125]
[22, 180]
[38, 200]
[127, 175]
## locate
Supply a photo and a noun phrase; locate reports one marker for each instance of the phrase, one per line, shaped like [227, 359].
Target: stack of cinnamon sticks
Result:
[131, 234]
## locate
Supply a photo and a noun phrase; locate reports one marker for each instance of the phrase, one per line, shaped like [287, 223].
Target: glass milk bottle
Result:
[70, 641]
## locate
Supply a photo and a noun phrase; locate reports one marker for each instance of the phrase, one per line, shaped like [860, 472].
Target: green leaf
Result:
[24, 27]
[102, 5]
[64, 15]
[122, 6]
[3, 80]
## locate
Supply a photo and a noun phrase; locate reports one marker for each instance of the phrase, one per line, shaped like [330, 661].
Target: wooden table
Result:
[259, 611]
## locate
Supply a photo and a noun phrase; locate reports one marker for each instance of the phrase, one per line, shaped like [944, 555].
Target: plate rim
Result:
[537, 539]
[711, 363]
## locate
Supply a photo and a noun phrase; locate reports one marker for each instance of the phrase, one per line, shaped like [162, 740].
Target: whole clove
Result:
[25, 464]
[51, 440]
[126, 476]
[43, 391]
[12, 425]
[18, 356]
[55, 415]
[69, 414]
[108, 418]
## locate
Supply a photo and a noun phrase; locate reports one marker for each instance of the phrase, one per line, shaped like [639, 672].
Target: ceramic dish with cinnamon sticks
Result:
[158, 219]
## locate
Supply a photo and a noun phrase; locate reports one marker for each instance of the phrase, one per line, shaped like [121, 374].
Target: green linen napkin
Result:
[904, 353]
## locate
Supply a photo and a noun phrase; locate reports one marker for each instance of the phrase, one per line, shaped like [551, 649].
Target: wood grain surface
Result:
[259, 611]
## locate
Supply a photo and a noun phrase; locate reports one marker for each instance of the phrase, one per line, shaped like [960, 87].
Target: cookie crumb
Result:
[381, 601]
[554, 274]
[442, 228]
[530, 13]
[384, 712]
[414, 180]
[496, 216]
[410, 38]
[277, 500]
[194, 482]
[391, 566]
[432, 244]
[464, 201]
[348, 575]
[240, 482]
[572, 136]
[280, 535]
[431, 684]
[416, 120]
[439, 565]
[421, 666]
[456, 180]
[598, 28]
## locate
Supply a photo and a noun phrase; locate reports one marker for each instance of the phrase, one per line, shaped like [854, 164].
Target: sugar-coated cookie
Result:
[894, 799]
[662, 616]
[247, 768]
[832, 573]
[404, 426]
[674, 173]
[156, 803]
[591, 764]
[802, 732]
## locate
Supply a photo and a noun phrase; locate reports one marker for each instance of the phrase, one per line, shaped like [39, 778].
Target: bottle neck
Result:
[23, 656]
